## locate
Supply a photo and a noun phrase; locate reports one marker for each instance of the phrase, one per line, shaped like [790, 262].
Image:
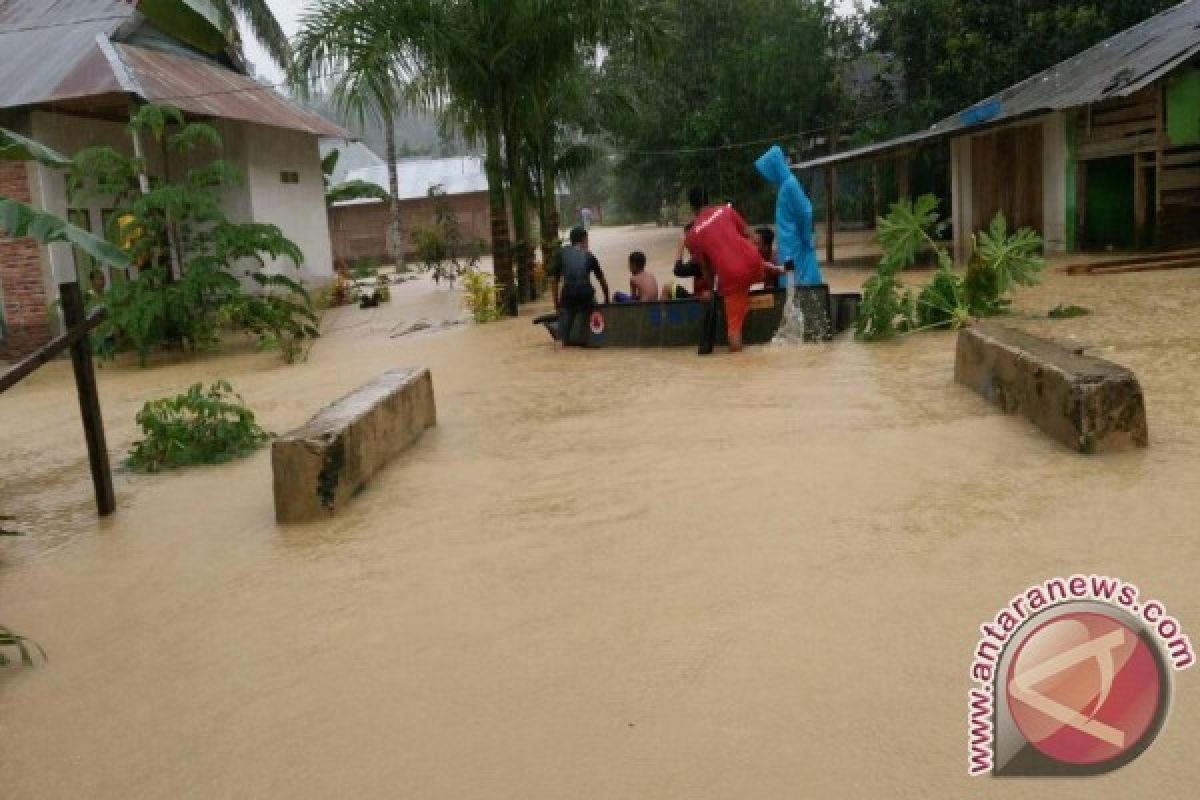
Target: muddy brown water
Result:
[604, 574]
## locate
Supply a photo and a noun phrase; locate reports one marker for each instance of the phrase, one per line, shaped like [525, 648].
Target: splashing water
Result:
[791, 327]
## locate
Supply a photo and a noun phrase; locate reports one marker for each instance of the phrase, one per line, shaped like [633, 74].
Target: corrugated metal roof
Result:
[1117, 67]
[352, 156]
[59, 50]
[48, 49]
[462, 175]
[208, 89]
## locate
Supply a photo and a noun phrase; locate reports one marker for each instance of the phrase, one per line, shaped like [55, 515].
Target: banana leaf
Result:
[19, 219]
[198, 23]
[15, 147]
[355, 190]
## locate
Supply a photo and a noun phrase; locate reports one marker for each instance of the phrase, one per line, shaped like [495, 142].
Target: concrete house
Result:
[1101, 151]
[71, 71]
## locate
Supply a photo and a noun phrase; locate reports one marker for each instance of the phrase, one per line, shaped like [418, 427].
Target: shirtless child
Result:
[642, 284]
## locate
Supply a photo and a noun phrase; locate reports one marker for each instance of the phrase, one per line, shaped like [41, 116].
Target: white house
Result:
[71, 71]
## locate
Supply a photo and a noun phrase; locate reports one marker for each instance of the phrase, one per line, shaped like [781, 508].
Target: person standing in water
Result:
[720, 241]
[572, 269]
[793, 220]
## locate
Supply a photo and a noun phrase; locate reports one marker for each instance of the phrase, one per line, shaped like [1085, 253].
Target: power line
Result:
[759, 142]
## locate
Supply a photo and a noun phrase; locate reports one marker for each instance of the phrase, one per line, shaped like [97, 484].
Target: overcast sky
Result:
[288, 13]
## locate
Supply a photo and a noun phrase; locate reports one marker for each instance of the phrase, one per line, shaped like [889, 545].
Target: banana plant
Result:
[18, 219]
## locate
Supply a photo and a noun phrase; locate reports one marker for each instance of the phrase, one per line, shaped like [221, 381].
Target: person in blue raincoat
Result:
[793, 219]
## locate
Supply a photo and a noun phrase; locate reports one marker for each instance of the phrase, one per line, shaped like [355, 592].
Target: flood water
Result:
[604, 574]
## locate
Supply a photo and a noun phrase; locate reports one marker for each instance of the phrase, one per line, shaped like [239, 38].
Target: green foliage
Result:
[347, 190]
[482, 297]
[202, 426]
[192, 263]
[943, 303]
[726, 73]
[282, 316]
[909, 228]
[1013, 260]
[15, 147]
[886, 308]
[365, 268]
[999, 263]
[954, 53]
[440, 248]
[19, 219]
[1061, 311]
[12, 641]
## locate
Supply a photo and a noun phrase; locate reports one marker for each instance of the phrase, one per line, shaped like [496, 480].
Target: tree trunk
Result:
[549, 205]
[502, 264]
[518, 197]
[395, 237]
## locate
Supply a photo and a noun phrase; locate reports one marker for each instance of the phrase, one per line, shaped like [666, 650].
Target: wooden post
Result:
[902, 177]
[1139, 202]
[830, 212]
[89, 400]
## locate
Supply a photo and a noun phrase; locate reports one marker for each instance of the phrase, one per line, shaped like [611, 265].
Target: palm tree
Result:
[263, 25]
[359, 52]
[477, 60]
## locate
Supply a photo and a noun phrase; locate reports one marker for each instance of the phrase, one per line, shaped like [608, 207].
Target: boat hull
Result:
[679, 323]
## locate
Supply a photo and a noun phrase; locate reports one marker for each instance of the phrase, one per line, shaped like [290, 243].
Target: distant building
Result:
[359, 227]
[352, 156]
[1100, 151]
[70, 73]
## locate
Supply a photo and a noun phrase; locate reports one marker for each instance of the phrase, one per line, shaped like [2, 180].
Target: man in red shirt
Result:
[724, 244]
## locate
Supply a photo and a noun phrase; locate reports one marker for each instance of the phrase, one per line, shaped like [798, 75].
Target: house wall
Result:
[297, 208]
[23, 301]
[29, 286]
[1010, 170]
[360, 231]
[1143, 137]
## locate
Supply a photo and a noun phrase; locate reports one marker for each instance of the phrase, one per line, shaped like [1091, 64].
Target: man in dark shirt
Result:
[572, 270]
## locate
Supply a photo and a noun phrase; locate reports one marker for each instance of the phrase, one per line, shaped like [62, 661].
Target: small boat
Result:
[679, 323]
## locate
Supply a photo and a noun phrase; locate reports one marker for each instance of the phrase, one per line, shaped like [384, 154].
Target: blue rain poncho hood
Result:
[773, 166]
[793, 218]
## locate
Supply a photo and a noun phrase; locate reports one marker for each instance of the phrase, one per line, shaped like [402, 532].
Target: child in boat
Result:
[721, 241]
[643, 287]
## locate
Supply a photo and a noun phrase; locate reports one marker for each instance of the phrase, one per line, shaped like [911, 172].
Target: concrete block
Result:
[1089, 404]
[319, 467]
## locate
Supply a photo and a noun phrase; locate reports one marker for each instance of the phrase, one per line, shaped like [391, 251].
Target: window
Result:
[289, 177]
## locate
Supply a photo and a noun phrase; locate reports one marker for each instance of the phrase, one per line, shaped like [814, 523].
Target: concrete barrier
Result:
[1089, 404]
[322, 465]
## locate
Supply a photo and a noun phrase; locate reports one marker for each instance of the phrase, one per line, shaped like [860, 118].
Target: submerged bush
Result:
[202, 426]
[482, 297]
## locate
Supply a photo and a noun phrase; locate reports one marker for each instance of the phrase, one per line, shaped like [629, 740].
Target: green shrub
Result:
[202, 426]
[482, 297]
[189, 257]
[12, 641]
